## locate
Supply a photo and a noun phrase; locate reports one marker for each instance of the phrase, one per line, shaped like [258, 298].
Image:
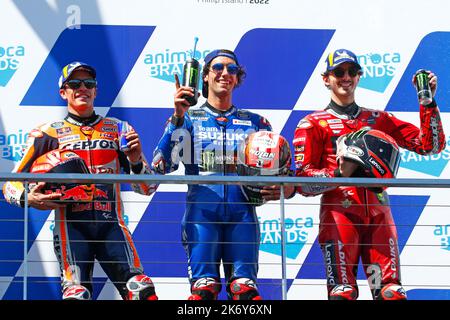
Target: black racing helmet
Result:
[376, 153]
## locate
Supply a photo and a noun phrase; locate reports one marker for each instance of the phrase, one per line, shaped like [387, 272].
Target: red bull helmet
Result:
[64, 161]
[263, 153]
[376, 153]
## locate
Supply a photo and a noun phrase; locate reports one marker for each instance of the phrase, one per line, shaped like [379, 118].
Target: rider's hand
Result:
[37, 199]
[181, 105]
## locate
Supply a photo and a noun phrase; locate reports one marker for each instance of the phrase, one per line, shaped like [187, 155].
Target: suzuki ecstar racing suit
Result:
[356, 215]
[100, 221]
[219, 223]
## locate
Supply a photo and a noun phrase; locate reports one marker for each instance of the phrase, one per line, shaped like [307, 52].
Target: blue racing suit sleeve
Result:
[173, 146]
[264, 124]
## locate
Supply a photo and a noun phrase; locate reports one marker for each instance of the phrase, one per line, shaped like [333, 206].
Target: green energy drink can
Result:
[423, 87]
[191, 73]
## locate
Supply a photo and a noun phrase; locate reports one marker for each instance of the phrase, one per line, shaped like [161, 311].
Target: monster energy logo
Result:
[212, 162]
[208, 160]
[193, 76]
[357, 134]
[422, 81]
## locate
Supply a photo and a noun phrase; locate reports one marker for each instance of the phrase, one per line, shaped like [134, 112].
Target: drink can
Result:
[191, 73]
[122, 130]
[424, 93]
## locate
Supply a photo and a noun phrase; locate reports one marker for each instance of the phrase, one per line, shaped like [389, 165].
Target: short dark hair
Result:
[240, 75]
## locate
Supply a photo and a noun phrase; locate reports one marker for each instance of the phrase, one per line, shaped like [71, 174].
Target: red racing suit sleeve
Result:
[310, 156]
[314, 146]
[429, 139]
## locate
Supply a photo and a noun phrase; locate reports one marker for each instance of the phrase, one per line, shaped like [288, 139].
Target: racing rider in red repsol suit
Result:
[357, 215]
[94, 139]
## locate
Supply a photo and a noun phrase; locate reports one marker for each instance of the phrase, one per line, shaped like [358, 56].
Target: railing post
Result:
[25, 243]
[283, 246]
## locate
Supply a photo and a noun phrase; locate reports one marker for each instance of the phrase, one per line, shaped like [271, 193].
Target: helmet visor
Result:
[385, 151]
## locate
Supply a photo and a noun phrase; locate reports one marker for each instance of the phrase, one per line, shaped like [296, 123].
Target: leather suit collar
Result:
[79, 121]
[347, 112]
[215, 112]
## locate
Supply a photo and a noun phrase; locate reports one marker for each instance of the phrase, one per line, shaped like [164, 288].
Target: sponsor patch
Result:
[322, 117]
[323, 123]
[92, 145]
[108, 129]
[264, 141]
[304, 124]
[63, 131]
[300, 139]
[222, 119]
[57, 125]
[337, 126]
[242, 115]
[334, 121]
[299, 148]
[355, 150]
[87, 130]
[107, 135]
[242, 122]
[69, 138]
[299, 157]
[377, 165]
[264, 155]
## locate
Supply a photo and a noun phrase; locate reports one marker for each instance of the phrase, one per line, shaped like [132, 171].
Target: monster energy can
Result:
[191, 72]
[423, 87]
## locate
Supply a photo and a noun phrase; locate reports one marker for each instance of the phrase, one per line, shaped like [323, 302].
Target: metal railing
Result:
[26, 178]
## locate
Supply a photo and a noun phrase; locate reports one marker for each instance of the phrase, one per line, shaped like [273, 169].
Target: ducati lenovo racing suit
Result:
[355, 215]
[85, 231]
[219, 223]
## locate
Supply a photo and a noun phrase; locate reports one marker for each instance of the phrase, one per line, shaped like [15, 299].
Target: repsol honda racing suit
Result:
[357, 215]
[219, 223]
[85, 231]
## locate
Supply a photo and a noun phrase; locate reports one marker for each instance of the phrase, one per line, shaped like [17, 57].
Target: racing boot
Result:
[140, 287]
[205, 289]
[343, 292]
[243, 289]
[76, 292]
[392, 291]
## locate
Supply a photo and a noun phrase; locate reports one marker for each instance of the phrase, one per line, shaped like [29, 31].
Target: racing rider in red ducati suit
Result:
[357, 215]
[94, 139]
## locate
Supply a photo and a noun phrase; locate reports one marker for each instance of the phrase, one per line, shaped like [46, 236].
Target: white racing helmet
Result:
[262, 153]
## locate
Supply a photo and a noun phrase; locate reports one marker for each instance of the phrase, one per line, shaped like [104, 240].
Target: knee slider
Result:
[205, 289]
[140, 287]
[76, 292]
[392, 292]
[243, 289]
[343, 292]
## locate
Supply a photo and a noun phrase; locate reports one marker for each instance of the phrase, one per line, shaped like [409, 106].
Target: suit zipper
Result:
[224, 141]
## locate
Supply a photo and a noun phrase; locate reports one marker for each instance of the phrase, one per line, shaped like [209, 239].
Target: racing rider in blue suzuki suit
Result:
[219, 223]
